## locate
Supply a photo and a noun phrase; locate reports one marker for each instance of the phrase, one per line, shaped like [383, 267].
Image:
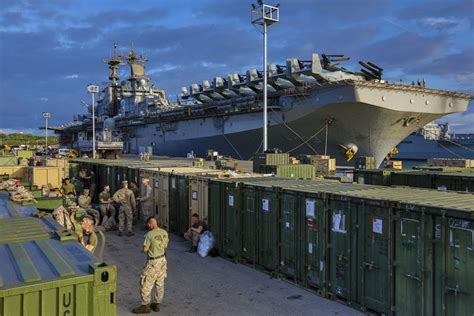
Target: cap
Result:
[124, 181]
[86, 190]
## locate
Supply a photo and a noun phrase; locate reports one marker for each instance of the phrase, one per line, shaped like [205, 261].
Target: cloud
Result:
[46, 42]
[43, 99]
[458, 66]
[164, 68]
[33, 131]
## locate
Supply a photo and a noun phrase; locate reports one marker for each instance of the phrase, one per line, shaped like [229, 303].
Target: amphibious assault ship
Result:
[436, 141]
[315, 106]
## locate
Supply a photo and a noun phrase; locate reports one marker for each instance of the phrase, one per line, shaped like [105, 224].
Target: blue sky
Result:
[50, 50]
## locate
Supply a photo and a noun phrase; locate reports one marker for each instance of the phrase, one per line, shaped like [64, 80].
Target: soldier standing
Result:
[146, 200]
[106, 207]
[154, 273]
[126, 199]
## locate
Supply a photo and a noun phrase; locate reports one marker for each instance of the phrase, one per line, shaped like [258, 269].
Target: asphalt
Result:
[211, 285]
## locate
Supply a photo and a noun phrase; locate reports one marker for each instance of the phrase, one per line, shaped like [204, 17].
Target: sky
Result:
[51, 50]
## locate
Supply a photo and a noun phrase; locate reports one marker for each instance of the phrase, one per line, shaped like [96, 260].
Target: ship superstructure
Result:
[314, 106]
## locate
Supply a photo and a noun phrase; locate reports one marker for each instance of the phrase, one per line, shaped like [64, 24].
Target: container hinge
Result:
[413, 277]
[370, 265]
[455, 290]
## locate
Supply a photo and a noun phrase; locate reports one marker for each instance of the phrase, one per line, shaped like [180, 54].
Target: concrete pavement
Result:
[210, 286]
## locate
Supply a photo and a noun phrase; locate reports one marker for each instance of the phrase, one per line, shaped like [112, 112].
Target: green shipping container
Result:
[290, 171]
[27, 154]
[8, 161]
[372, 177]
[270, 159]
[397, 250]
[454, 181]
[50, 277]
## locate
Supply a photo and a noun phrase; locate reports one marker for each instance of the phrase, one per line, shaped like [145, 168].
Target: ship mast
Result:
[113, 63]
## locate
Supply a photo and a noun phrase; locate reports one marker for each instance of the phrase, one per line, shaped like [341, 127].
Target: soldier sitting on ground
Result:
[194, 232]
[87, 225]
[68, 188]
[84, 202]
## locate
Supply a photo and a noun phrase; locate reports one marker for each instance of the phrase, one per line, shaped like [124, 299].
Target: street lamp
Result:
[93, 89]
[46, 116]
[265, 15]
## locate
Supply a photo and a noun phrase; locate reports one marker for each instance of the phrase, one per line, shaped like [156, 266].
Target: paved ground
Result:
[210, 286]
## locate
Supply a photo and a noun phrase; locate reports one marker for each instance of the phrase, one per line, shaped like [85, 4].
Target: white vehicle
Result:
[63, 151]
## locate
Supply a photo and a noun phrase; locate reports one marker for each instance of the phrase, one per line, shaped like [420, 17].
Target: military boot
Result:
[120, 233]
[155, 307]
[130, 233]
[142, 309]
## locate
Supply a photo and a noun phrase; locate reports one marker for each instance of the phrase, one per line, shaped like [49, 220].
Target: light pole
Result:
[93, 89]
[265, 15]
[46, 116]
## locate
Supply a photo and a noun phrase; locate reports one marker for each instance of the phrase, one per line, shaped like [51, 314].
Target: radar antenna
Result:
[133, 58]
[113, 63]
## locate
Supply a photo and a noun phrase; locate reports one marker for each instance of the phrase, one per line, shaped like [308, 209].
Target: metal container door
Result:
[173, 203]
[232, 202]
[314, 248]
[289, 240]
[455, 261]
[249, 225]
[183, 204]
[268, 237]
[339, 247]
[216, 206]
[374, 256]
[409, 258]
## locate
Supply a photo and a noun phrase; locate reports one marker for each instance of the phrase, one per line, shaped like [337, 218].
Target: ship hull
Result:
[416, 147]
[375, 119]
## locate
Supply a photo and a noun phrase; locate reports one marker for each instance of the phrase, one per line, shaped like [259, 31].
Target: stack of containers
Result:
[365, 162]
[279, 164]
[180, 192]
[379, 248]
[440, 180]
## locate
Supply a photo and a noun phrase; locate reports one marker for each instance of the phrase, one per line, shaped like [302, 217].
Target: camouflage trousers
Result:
[61, 215]
[108, 224]
[194, 237]
[153, 275]
[125, 212]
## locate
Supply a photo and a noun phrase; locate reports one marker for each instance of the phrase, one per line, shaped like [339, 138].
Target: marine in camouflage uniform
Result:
[84, 202]
[62, 216]
[155, 271]
[126, 200]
